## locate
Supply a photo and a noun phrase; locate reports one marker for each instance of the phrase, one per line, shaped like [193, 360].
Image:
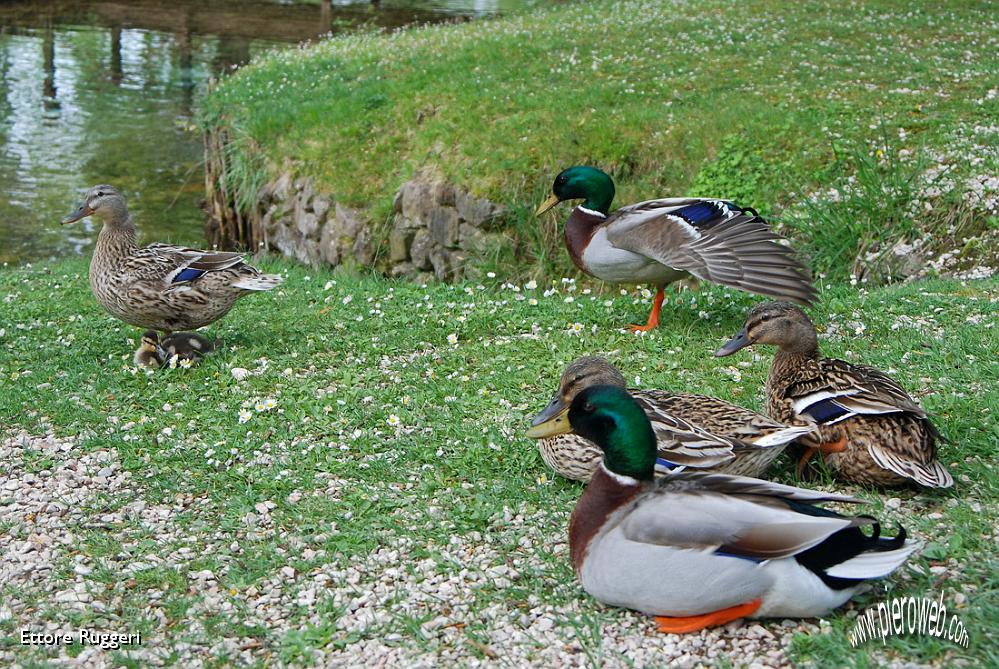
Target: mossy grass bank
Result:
[347, 480]
[856, 124]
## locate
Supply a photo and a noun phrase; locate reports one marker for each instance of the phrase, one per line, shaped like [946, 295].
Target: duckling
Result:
[870, 430]
[188, 346]
[149, 354]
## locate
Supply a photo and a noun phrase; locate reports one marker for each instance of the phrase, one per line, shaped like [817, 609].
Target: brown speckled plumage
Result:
[889, 439]
[694, 431]
[149, 287]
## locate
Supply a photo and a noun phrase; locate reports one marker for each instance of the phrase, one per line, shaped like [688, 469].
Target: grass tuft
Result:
[768, 103]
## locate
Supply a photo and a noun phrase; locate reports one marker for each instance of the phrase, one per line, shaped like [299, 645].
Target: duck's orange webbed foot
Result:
[684, 624]
[653, 322]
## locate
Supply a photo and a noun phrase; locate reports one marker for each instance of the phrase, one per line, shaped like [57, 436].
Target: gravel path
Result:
[464, 606]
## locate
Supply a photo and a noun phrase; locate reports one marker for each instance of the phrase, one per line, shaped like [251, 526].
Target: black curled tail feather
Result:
[877, 543]
[845, 545]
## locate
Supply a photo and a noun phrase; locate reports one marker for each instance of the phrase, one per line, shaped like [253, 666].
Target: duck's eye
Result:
[588, 407]
[100, 193]
[577, 378]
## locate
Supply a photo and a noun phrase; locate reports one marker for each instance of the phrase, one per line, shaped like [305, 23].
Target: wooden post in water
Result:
[116, 72]
[48, 62]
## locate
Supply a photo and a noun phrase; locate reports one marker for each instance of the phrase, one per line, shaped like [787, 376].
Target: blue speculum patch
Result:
[826, 410]
[188, 274]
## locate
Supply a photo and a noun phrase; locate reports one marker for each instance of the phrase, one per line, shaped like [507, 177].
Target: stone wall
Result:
[292, 218]
[436, 229]
[439, 228]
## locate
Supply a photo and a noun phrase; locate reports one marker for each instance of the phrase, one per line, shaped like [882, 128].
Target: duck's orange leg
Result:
[834, 446]
[837, 446]
[804, 460]
[657, 305]
[684, 624]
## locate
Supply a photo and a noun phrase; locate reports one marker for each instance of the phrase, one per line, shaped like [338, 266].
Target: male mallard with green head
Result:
[699, 550]
[870, 430]
[693, 431]
[661, 241]
[161, 286]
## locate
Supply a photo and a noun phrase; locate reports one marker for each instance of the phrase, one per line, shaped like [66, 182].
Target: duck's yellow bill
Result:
[558, 424]
[547, 204]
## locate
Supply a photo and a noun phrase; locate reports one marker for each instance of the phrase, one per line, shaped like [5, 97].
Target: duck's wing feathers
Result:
[830, 391]
[741, 427]
[164, 268]
[833, 390]
[190, 264]
[680, 441]
[734, 515]
[715, 241]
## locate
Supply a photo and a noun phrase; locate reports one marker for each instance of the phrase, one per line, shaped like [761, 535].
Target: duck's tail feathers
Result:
[260, 282]
[782, 436]
[931, 474]
[875, 563]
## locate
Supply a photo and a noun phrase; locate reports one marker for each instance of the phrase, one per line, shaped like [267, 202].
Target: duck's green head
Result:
[609, 417]
[581, 183]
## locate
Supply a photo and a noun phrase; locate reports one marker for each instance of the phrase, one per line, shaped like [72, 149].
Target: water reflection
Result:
[105, 92]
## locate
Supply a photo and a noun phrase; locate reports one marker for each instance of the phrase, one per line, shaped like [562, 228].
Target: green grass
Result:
[826, 114]
[342, 356]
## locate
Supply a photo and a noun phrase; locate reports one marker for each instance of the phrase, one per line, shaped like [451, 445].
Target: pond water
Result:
[106, 91]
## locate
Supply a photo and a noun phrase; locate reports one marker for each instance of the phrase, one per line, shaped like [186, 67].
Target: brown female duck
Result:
[870, 429]
[693, 431]
[161, 286]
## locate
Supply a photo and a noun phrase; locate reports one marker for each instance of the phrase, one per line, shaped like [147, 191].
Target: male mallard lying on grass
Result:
[161, 286]
[691, 430]
[870, 430]
[699, 550]
[179, 347]
[660, 241]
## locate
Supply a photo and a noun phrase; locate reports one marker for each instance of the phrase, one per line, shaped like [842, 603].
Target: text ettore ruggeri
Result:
[82, 637]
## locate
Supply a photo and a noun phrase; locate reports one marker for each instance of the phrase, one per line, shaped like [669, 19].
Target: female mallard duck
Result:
[162, 287]
[660, 241]
[691, 430]
[869, 429]
[699, 550]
